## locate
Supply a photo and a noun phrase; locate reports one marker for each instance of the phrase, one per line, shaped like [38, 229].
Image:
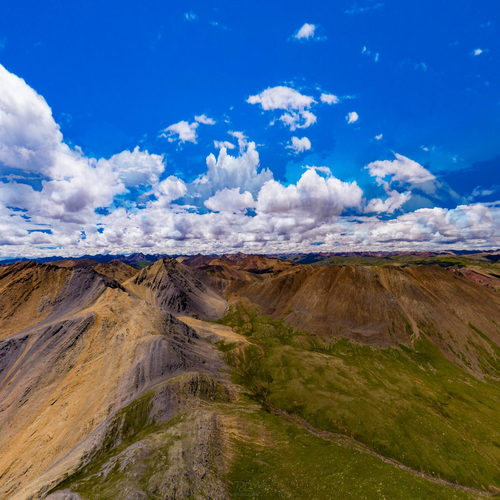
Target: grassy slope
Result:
[291, 463]
[412, 405]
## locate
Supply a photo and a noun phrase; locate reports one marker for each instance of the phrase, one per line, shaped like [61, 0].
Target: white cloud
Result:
[31, 141]
[296, 106]
[182, 131]
[284, 218]
[401, 169]
[224, 144]
[299, 145]
[477, 52]
[302, 119]
[429, 226]
[314, 196]
[379, 137]
[281, 97]
[190, 16]
[352, 117]
[394, 201]
[305, 32]
[185, 131]
[204, 119]
[240, 137]
[170, 189]
[230, 200]
[136, 168]
[231, 172]
[329, 98]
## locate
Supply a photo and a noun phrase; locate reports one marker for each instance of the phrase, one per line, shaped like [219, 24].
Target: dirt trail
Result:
[213, 331]
[349, 442]
[216, 332]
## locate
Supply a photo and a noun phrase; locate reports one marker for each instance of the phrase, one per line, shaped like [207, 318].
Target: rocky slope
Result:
[114, 269]
[32, 292]
[76, 373]
[177, 288]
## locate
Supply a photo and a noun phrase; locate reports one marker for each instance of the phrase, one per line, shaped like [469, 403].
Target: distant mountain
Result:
[177, 288]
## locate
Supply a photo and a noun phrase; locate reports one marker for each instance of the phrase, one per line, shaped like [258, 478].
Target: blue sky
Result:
[337, 86]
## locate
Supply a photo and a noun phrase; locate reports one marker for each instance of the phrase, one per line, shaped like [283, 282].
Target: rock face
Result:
[178, 289]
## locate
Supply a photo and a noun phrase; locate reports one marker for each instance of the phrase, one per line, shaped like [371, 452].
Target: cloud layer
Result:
[56, 200]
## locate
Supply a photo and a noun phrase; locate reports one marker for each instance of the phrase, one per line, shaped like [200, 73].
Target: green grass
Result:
[412, 405]
[297, 465]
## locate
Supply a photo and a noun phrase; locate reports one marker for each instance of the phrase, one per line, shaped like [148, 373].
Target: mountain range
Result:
[368, 375]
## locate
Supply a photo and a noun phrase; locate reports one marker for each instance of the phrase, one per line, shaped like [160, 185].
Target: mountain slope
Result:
[104, 394]
[176, 288]
[32, 292]
[387, 306]
[65, 381]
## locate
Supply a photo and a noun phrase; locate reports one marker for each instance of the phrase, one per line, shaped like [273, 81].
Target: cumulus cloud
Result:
[204, 119]
[314, 195]
[477, 52]
[182, 131]
[240, 137]
[234, 204]
[393, 202]
[440, 226]
[401, 169]
[136, 167]
[305, 32]
[281, 97]
[230, 200]
[31, 141]
[170, 189]
[227, 171]
[379, 137]
[185, 131]
[329, 98]
[224, 144]
[352, 117]
[296, 106]
[302, 119]
[400, 172]
[299, 145]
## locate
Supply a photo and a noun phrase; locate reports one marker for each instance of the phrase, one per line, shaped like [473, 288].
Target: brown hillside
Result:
[67, 385]
[117, 270]
[31, 292]
[385, 306]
